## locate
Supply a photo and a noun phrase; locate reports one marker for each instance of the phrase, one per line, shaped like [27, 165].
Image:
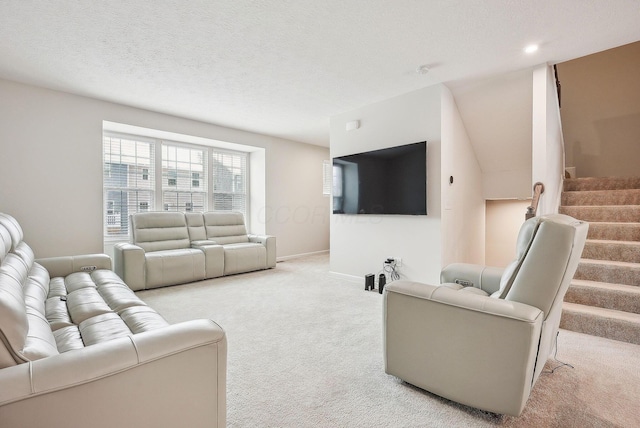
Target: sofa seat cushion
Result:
[174, 267]
[244, 257]
[230, 239]
[142, 318]
[88, 308]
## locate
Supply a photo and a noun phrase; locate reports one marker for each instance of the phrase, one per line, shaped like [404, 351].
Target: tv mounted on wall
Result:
[386, 181]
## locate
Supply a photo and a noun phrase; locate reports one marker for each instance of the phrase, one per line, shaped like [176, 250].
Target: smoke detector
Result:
[422, 69]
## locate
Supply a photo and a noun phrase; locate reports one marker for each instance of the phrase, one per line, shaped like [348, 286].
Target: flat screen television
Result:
[386, 181]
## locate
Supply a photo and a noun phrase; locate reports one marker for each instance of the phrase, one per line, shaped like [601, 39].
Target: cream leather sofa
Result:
[78, 348]
[169, 248]
[482, 337]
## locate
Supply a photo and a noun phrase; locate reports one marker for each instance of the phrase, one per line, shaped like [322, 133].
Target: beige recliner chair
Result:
[482, 337]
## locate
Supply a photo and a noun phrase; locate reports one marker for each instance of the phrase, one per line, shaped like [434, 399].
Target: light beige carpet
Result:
[604, 298]
[305, 350]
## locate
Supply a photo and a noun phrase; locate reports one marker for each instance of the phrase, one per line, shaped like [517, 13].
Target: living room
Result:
[51, 147]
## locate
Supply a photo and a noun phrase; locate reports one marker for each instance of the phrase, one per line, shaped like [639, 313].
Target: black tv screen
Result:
[386, 181]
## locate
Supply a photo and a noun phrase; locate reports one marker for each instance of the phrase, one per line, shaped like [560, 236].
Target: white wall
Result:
[508, 184]
[503, 219]
[497, 113]
[51, 171]
[360, 243]
[547, 142]
[463, 210]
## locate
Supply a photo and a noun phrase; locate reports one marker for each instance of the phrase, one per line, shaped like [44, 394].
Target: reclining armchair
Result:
[483, 336]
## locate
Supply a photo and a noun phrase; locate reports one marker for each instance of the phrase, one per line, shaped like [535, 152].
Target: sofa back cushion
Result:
[225, 227]
[13, 228]
[5, 242]
[195, 225]
[25, 333]
[525, 238]
[550, 263]
[13, 313]
[157, 231]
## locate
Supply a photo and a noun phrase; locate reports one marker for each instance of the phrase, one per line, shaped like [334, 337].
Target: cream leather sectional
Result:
[169, 248]
[78, 348]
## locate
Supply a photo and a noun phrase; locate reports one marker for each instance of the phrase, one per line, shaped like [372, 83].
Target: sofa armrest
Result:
[63, 266]
[141, 380]
[486, 278]
[270, 243]
[473, 349]
[129, 264]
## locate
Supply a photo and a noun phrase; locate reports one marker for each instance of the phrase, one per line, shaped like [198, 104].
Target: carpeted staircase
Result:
[604, 297]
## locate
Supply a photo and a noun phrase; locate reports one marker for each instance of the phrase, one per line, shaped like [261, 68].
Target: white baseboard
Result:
[346, 277]
[341, 276]
[295, 256]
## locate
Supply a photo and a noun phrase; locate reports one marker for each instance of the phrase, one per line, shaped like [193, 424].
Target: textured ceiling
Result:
[283, 67]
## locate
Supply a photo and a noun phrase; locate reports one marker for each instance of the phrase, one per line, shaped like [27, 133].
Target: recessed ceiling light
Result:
[531, 49]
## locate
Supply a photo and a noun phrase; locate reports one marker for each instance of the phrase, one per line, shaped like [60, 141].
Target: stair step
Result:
[612, 324]
[614, 213]
[601, 197]
[604, 295]
[621, 251]
[609, 271]
[601, 183]
[614, 231]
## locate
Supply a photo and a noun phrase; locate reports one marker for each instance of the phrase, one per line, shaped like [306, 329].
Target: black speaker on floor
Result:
[369, 282]
[382, 280]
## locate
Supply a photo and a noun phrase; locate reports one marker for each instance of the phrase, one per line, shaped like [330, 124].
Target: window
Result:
[126, 191]
[337, 188]
[326, 177]
[172, 178]
[182, 167]
[190, 178]
[229, 181]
